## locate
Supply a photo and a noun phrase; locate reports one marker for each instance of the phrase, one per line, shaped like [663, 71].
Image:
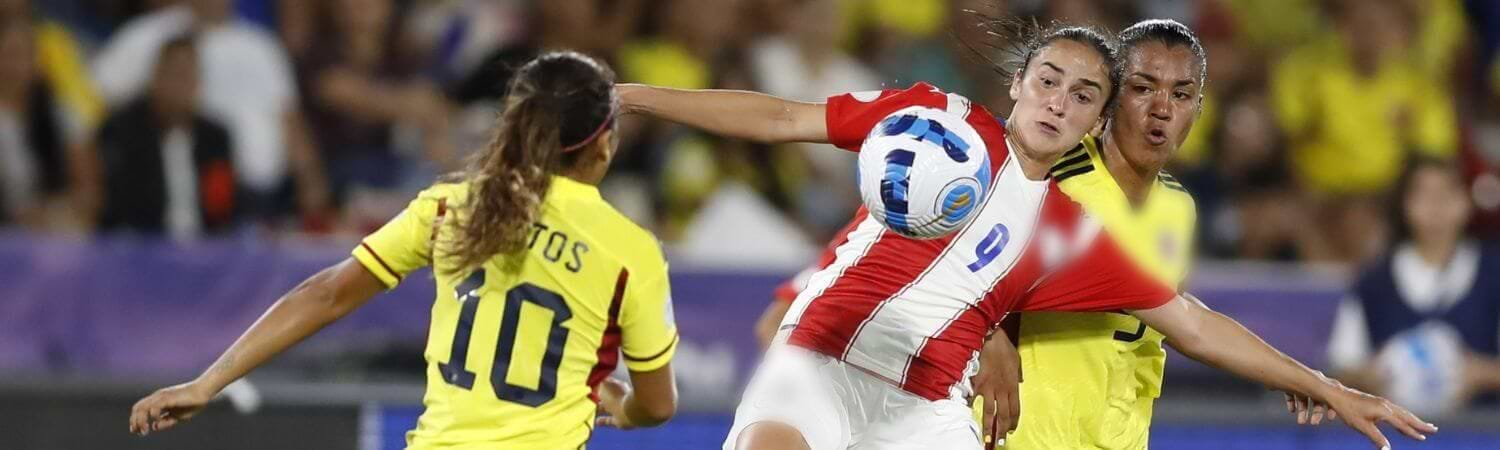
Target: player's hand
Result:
[612, 393]
[167, 407]
[998, 387]
[1308, 410]
[1363, 412]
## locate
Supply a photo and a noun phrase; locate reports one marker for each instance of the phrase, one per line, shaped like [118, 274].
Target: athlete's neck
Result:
[591, 176]
[1135, 181]
[1035, 167]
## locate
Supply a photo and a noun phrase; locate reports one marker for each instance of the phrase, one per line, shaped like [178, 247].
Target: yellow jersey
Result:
[1073, 360]
[517, 347]
[1352, 134]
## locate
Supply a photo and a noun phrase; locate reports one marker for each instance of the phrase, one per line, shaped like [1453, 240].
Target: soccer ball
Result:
[1423, 368]
[923, 172]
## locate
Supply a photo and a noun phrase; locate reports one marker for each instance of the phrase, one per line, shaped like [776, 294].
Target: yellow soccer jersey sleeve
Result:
[517, 347]
[405, 243]
[1072, 360]
[649, 330]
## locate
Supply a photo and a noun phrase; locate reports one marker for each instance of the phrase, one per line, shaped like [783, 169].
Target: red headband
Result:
[608, 120]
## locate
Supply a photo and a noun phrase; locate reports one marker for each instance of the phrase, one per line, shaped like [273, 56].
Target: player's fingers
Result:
[164, 423]
[154, 412]
[606, 421]
[1406, 428]
[1333, 414]
[1413, 420]
[1291, 404]
[1370, 431]
[1015, 411]
[990, 408]
[1317, 414]
[135, 417]
[1302, 407]
[1004, 417]
[1398, 417]
[140, 418]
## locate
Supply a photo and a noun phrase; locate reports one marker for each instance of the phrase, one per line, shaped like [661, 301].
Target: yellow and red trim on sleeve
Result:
[376, 265]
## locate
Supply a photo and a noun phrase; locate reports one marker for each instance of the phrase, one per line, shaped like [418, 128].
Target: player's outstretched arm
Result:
[745, 115]
[1220, 341]
[652, 402]
[307, 308]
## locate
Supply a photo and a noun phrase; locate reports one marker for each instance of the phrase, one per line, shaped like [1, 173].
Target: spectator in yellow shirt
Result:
[1354, 105]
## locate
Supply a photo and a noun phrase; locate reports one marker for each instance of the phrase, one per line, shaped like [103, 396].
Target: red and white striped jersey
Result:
[788, 290]
[915, 312]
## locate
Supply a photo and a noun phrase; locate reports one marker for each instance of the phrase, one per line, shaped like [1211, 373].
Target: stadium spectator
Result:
[1425, 315]
[805, 63]
[609, 24]
[165, 167]
[61, 66]
[363, 90]
[1354, 106]
[247, 84]
[688, 50]
[39, 134]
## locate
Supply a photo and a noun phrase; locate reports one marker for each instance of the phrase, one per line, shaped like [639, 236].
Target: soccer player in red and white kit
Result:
[877, 350]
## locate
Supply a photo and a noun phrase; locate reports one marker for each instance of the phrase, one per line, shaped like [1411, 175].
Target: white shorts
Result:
[837, 406]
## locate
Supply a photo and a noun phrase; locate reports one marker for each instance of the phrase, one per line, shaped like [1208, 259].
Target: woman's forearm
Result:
[312, 305]
[744, 115]
[1229, 346]
[1217, 340]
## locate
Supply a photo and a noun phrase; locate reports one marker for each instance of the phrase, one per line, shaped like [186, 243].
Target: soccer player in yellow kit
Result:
[1091, 378]
[541, 286]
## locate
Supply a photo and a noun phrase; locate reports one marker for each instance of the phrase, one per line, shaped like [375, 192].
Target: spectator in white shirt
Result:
[247, 84]
[805, 63]
[1422, 325]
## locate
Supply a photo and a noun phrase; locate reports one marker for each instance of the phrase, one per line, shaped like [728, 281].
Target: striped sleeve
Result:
[850, 117]
[648, 328]
[401, 245]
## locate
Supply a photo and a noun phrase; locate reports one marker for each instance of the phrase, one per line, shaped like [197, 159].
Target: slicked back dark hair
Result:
[1019, 41]
[1167, 32]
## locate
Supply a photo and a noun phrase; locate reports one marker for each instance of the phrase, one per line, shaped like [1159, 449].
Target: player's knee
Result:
[770, 436]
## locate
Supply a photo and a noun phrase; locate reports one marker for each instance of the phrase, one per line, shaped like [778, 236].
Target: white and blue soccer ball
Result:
[923, 172]
[1423, 368]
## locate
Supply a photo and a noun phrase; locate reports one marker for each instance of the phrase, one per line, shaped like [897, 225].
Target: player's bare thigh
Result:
[767, 435]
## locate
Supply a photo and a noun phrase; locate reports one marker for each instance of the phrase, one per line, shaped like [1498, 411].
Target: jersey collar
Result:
[564, 186]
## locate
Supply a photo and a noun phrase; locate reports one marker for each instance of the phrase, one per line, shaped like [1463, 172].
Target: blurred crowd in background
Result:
[194, 118]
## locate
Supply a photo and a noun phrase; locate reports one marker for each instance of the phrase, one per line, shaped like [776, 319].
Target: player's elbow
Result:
[1190, 343]
[1203, 339]
[795, 122]
[1189, 340]
[654, 413]
[317, 293]
[334, 291]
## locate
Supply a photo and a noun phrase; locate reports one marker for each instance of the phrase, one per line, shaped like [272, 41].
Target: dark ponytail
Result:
[557, 105]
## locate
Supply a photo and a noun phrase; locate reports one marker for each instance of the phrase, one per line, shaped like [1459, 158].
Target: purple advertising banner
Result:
[137, 308]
